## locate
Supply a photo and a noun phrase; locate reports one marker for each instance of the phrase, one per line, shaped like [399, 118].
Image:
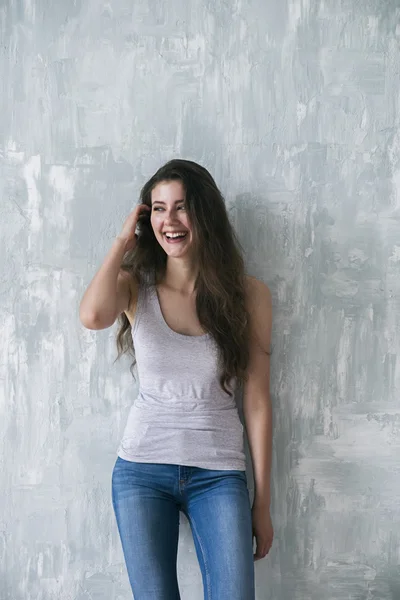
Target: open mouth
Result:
[173, 238]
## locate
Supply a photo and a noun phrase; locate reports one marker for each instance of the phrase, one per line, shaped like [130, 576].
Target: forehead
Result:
[168, 191]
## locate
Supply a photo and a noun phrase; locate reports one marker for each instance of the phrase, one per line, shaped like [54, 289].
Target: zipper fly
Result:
[184, 475]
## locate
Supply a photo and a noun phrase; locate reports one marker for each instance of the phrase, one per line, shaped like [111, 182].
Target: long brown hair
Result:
[220, 284]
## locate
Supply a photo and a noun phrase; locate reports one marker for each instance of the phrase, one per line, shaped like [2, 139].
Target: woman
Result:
[197, 328]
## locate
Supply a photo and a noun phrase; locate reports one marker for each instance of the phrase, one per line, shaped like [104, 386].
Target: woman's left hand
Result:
[262, 529]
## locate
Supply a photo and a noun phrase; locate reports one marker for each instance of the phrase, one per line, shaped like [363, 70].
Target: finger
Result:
[143, 208]
[262, 549]
[142, 214]
[259, 554]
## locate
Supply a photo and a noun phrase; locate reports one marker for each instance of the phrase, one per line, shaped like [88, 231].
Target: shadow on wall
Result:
[274, 232]
[263, 228]
[273, 235]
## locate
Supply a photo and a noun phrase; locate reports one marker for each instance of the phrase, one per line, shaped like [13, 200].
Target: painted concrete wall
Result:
[294, 107]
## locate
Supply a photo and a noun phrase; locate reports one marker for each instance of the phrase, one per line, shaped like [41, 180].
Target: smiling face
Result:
[169, 219]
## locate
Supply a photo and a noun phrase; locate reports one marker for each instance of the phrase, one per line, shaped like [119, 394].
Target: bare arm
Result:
[258, 412]
[111, 290]
[257, 402]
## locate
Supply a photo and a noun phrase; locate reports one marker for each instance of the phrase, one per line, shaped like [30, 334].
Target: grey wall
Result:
[294, 107]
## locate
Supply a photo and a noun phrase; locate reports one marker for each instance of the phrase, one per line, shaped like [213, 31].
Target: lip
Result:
[174, 240]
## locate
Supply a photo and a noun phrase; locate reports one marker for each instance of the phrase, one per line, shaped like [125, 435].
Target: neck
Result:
[180, 275]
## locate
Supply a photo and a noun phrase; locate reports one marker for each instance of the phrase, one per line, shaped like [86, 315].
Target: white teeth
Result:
[175, 235]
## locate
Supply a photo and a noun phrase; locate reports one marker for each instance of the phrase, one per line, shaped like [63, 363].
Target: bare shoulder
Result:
[259, 306]
[258, 294]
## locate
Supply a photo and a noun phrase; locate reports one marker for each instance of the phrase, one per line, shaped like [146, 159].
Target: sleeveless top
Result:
[181, 415]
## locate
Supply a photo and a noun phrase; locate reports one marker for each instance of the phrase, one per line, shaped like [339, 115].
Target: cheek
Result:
[155, 222]
[185, 221]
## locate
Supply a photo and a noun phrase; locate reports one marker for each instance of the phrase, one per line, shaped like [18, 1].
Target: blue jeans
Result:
[147, 498]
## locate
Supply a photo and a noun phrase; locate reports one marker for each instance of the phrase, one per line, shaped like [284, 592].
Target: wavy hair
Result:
[220, 283]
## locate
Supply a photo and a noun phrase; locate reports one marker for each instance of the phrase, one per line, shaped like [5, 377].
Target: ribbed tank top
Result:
[181, 415]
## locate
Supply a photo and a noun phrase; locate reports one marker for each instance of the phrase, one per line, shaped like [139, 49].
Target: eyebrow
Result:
[161, 201]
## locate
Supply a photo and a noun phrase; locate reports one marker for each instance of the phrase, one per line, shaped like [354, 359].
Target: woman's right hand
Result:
[128, 233]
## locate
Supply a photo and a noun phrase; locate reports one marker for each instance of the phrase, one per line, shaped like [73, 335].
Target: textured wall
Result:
[294, 107]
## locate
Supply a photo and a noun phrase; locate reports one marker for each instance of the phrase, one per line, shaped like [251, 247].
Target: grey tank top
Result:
[181, 415]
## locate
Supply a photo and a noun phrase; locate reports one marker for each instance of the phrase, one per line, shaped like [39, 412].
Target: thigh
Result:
[148, 523]
[219, 512]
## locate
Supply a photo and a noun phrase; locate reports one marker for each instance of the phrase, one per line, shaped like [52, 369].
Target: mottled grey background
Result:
[294, 107]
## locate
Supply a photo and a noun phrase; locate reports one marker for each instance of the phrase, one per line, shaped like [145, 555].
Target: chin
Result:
[175, 251]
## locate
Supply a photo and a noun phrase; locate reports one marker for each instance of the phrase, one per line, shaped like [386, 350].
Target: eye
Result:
[157, 208]
[182, 207]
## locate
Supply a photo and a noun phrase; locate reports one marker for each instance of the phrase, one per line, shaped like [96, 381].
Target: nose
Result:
[169, 215]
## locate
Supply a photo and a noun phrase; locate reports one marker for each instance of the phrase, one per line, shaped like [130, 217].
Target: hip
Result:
[177, 481]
